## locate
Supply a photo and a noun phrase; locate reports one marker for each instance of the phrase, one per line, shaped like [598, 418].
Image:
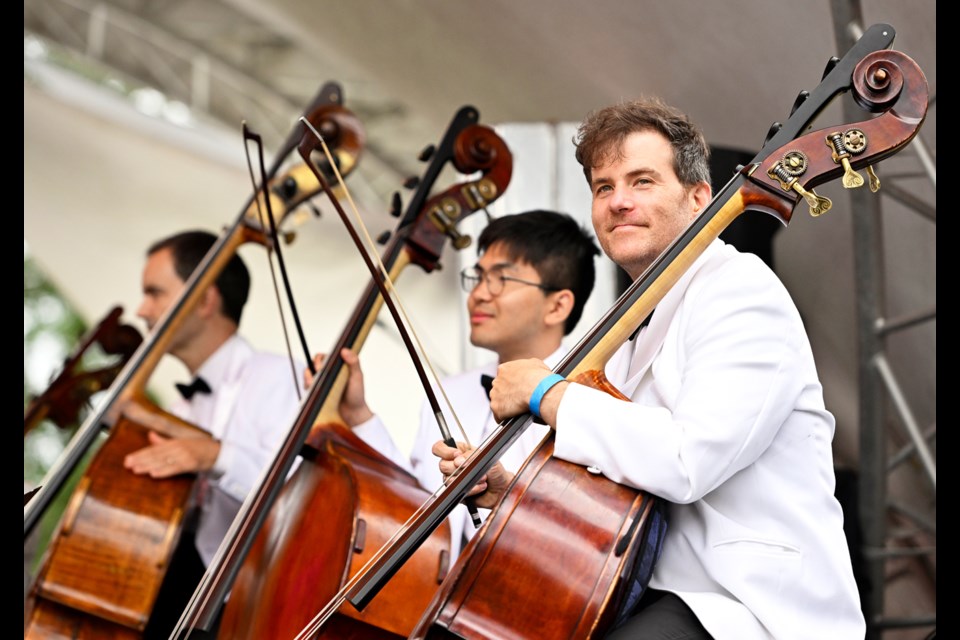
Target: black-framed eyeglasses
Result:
[495, 280]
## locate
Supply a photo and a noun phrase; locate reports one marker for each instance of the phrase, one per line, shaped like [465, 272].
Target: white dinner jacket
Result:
[728, 424]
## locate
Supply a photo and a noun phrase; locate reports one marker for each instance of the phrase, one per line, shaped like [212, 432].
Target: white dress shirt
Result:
[250, 410]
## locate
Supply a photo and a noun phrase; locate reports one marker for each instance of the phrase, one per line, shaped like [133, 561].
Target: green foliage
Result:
[51, 328]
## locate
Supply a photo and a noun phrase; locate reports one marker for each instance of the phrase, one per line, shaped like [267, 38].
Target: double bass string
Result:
[238, 524]
[390, 295]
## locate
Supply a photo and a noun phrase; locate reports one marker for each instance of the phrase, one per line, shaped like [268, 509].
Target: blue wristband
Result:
[545, 385]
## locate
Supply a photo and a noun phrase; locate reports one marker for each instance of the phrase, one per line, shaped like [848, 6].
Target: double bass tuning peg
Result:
[288, 188]
[774, 128]
[396, 205]
[801, 98]
[844, 146]
[831, 63]
[412, 182]
[427, 153]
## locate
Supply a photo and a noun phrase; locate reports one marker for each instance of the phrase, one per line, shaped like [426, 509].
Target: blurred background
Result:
[132, 131]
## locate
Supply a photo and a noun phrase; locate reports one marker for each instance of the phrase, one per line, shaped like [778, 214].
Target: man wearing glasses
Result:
[526, 292]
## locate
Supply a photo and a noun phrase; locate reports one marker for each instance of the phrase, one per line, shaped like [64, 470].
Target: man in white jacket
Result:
[726, 420]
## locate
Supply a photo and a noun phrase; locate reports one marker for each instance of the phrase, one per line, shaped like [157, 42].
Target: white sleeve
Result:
[728, 375]
[266, 409]
[376, 434]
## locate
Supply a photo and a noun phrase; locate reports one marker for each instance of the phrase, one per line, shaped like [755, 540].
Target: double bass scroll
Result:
[68, 393]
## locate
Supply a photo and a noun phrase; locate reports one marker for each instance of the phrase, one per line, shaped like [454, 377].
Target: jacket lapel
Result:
[650, 341]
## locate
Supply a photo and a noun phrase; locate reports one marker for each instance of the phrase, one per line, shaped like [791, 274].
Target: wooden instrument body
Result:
[345, 500]
[112, 546]
[302, 557]
[554, 558]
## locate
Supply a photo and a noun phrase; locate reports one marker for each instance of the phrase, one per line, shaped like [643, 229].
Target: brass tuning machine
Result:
[445, 215]
[786, 171]
[845, 145]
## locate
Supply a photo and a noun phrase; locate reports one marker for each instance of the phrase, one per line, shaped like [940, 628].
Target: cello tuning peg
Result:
[289, 237]
[774, 128]
[384, 237]
[396, 207]
[427, 153]
[315, 210]
[288, 188]
[801, 98]
[831, 63]
[411, 182]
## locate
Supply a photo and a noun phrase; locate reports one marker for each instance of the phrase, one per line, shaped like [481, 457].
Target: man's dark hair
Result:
[555, 245]
[602, 132]
[189, 248]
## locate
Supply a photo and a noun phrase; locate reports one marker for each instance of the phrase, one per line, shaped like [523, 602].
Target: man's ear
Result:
[700, 196]
[560, 305]
[211, 302]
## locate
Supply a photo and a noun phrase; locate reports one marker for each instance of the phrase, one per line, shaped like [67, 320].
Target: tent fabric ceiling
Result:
[98, 176]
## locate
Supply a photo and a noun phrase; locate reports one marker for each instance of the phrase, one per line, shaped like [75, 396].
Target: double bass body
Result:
[96, 585]
[338, 509]
[571, 582]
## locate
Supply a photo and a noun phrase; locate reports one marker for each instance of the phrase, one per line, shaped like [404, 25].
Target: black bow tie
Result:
[487, 383]
[199, 385]
[645, 322]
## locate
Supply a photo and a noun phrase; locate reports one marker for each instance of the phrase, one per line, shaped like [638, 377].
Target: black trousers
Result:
[660, 615]
[184, 574]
